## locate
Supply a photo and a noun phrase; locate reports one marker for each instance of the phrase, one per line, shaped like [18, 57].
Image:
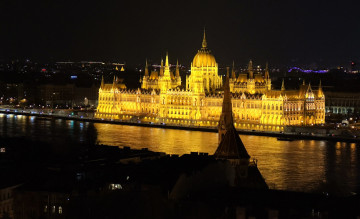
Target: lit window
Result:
[45, 208]
[60, 210]
[115, 186]
[53, 209]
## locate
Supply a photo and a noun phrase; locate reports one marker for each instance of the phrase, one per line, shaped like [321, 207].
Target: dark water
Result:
[304, 165]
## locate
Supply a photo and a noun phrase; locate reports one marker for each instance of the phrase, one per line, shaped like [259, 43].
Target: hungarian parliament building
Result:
[162, 99]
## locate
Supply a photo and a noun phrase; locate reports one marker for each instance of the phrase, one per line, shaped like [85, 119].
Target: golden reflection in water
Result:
[170, 141]
[283, 164]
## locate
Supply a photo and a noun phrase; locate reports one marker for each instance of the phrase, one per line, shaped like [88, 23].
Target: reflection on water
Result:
[304, 165]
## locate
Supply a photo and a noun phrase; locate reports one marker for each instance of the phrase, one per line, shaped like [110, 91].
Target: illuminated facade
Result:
[255, 104]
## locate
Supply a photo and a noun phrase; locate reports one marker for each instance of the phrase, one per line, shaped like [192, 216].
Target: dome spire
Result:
[204, 43]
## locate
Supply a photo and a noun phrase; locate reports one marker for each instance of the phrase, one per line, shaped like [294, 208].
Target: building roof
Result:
[231, 146]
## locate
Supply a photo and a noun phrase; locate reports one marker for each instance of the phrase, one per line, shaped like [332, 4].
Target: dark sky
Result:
[280, 31]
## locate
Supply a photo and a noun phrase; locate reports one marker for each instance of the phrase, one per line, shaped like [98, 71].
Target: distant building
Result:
[256, 106]
[67, 94]
[342, 103]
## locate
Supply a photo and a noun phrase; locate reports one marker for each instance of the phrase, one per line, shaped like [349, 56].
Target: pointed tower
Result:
[146, 68]
[177, 74]
[320, 91]
[204, 43]
[251, 70]
[226, 118]
[283, 85]
[230, 146]
[177, 71]
[102, 82]
[309, 88]
[309, 95]
[162, 68]
[114, 82]
[267, 75]
[233, 76]
[167, 67]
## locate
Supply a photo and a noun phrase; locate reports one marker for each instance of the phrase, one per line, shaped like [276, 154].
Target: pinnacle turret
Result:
[167, 60]
[162, 67]
[283, 85]
[146, 68]
[267, 75]
[177, 71]
[102, 82]
[320, 91]
[233, 76]
[250, 69]
[114, 81]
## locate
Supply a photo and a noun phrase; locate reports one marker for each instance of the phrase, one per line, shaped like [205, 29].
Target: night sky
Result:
[284, 32]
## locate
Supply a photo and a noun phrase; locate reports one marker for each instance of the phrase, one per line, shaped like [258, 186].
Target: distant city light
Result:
[308, 71]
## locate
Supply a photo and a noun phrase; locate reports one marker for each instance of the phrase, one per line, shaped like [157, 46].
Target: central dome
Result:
[204, 57]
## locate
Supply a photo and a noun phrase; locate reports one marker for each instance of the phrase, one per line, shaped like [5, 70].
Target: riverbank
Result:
[283, 135]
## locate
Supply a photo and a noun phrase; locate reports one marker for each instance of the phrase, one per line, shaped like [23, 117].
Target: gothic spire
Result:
[204, 43]
[283, 85]
[250, 66]
[114, 81]
[233, 76]
[226, 117]
[102, 82]
[309, 88]
[177, 71]
[167, 60]
[320, 91]
[267, 75]
[162, 67]
[230, 145]
[146, 68]
[167, 66]
[250, 69]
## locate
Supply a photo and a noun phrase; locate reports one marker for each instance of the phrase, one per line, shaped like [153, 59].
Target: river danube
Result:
[303, 165]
